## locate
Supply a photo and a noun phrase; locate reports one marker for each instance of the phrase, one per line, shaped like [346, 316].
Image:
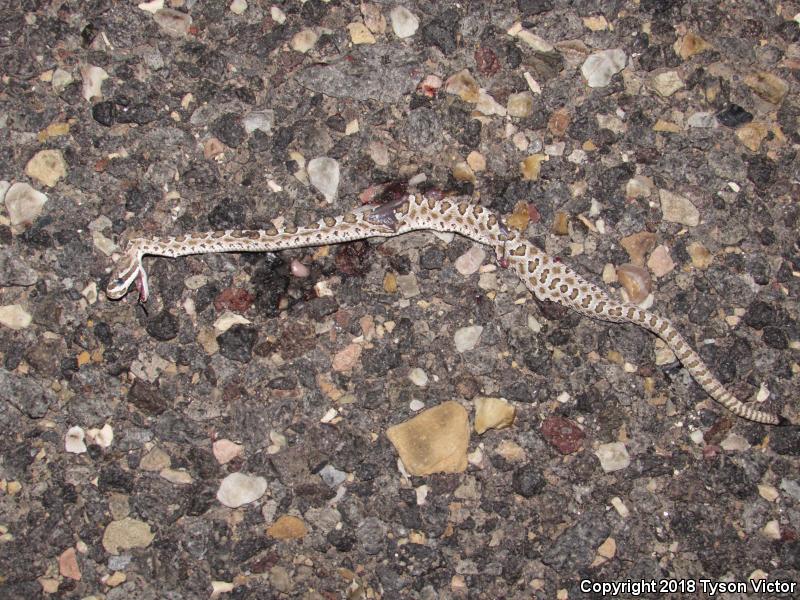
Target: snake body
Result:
[542, 274]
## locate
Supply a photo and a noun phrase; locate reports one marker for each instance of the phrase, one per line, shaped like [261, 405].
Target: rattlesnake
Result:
[543, 275]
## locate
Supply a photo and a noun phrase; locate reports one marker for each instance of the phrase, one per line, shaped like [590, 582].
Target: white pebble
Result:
[416, 405]
[238, 489]
[227, 320]
[14, 317]
[613, 456]
[262, 120]
[73, 442]
[299, 269]
[404, 22]
[467, 338]
[238, 6]
[418, 377]
[323, 172]
[599, 68]
[101, 437]
[93, 78]
[24, 205]
[225, 450]
[469, 262]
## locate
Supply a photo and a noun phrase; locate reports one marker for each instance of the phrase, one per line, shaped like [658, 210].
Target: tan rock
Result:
[346, 359]
[520, 105]
[690, 45]
[558, 122]
[47, 167]
[287, 527]
[531, 166]
[155, 460]
[767, 86]
[15, 317]
[225, 450]
[360, 34]
[520, 218]
[303, 40]
[373, 18]
[561, 223]
[68, 565]
[636, 282]
[666, 126]
[639, 245]
[463, 85]
[752, 134]
[463, 172]
[126, 534]
[639, 186]
[435, 441]
[700, 255]
[660, 262]
[666, 83]
[493, 413]
[476, 161]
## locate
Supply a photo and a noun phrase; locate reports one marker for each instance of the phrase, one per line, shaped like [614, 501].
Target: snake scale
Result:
[543, 275]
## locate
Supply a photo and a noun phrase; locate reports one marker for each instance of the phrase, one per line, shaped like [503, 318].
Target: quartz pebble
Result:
[24, 205]
[599, 68]
[520, 105]
[467, 338]
[700, 255]
[667, 83]
[493, 413]
[238, 7]
[418, 377]
[323, 172]
[613, 456]
[74, 440]
[238, 489]
[469, 262]
[92, 82]
[434, 441]
[677, 209]
[14, 317]
[303, 41]
[404, 22]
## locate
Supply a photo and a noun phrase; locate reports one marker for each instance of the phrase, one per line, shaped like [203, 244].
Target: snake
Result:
[545, 276]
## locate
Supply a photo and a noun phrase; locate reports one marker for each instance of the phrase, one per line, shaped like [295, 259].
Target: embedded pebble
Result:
[599, 68]
[772, 530]
[768, 492]
[404, 22]
[493, 413]
[360, 34]
[408, 286]
[74, 440]
[238, 7]
[173, 22]
[14, 317]
[176, 476]
[416, 405]
[303, 40]
[238, 489]
[734, 442]
[667, 83]
[155, 460]
[125, 534]
[476, 161]
[469, 262]
[488, 106]
[463, 172]
[434, 441]
[323, 172]
[61, 79]
[639, 187]
[563, 434]
[690, 45]
[660, 262]
[14, 270]
[418, 377]
[287, 527]
[277, 15]
[102, 437]
[638, 245]
[531, 166]
[767, 86]
[262, 120]
[752, 134]
[463, 85]
[373, 18]
[520, 105]
[677, 209]
[636, 282]
[466, 338]
[613, 456]
[228, 319]
[332, 476]
[700, 255]
[702, 120]
[346, 359]
[299, 269]
[24, 205]
[225, 450]
[68, 565]
[92, 81]
[47, 167]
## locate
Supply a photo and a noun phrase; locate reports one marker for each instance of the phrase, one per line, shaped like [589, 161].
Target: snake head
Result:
[128, 270]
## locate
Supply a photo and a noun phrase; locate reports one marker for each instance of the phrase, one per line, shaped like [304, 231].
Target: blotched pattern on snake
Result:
[543, 275]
